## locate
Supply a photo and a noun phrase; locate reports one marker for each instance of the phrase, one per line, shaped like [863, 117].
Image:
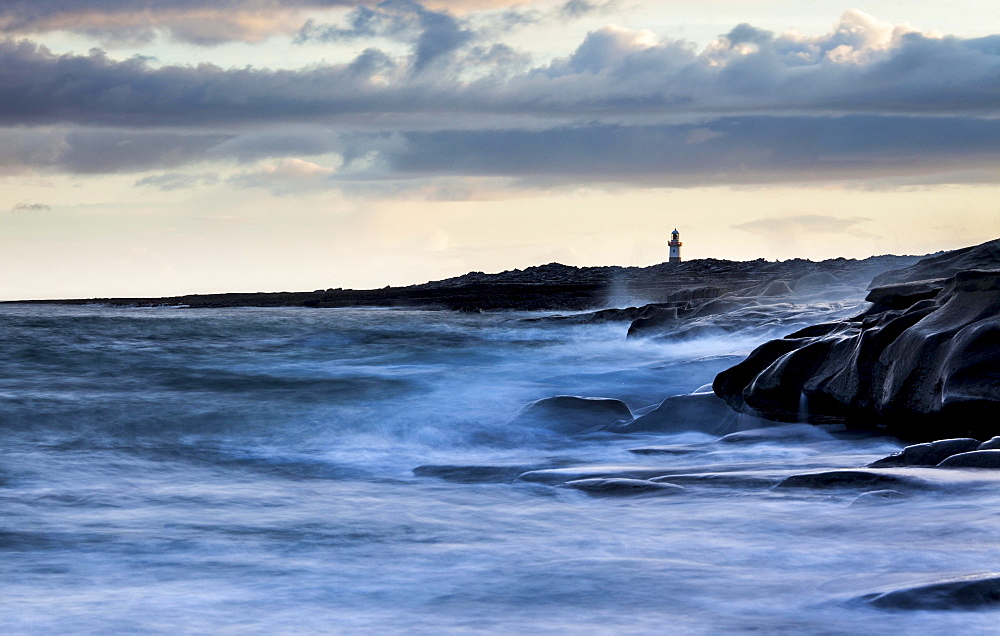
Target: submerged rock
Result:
[922, 361]
[965, 593]
[929, 454]
[472, 474]
[622, 487]
[703, 412]
[873, 497]
[571, 414]
[791, 433]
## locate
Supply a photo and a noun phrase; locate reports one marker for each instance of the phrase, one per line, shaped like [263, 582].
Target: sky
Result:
[162, 147]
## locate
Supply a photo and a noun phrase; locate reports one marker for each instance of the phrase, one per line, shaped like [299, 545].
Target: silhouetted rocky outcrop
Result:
[923, 361]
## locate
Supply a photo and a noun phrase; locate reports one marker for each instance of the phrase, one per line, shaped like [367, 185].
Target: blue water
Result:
[251, 470]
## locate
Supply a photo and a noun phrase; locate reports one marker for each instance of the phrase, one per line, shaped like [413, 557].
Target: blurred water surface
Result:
[166, 470]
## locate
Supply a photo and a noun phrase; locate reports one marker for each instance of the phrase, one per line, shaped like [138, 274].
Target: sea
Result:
[364, 471]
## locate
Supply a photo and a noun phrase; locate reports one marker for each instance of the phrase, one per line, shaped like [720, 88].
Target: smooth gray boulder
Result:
[572, 414]
[974, 459]
[929, 454]
[964, 593]
[923, 364]
[618, 487]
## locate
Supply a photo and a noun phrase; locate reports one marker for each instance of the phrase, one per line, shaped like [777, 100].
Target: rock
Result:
[984, 256]
[990, 444]
[847, 479]
[665, 450]
[974, 459]
[570, 414]
[702, 412]
[926, 371]
[904, 295]
[553, 476]
[623, 487]
[930, 454]
[964, 593]
[472, 474]
[790, 433]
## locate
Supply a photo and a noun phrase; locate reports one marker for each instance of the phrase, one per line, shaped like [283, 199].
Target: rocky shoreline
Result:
[551, 287]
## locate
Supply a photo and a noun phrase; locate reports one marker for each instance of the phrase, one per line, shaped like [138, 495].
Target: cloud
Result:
[289, 176]
[748, 150]
[797, 225]
[101, 151]
[178, 180]
[616, 74]
[868, 100]
[200, 22]
[30, 207]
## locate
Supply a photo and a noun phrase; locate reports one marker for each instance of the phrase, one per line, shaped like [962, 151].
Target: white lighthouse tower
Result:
[675, 246]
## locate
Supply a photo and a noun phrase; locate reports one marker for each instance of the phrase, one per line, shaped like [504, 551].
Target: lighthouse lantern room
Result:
[675, 246]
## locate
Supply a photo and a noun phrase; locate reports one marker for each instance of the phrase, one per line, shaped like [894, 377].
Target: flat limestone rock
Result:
[963, 593]
[572, 414]
[618, 487]
[973, 459]
[929, 454]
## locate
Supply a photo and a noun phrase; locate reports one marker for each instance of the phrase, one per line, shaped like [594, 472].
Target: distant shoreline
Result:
[545, 287]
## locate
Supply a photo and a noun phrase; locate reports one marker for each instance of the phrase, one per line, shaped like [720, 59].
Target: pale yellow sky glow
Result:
[410, 143]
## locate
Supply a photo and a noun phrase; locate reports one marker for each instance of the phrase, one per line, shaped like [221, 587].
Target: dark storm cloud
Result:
[728, 150]
[613, 74]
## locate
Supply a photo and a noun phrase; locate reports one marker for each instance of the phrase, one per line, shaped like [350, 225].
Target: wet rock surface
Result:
[618, 487]
[929, 454]
[923, 361]
[965, 593]
[571, 414]
[703, 412]
[973, 459]
[851, 479]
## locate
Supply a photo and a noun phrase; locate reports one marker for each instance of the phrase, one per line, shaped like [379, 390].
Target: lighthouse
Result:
[675, 246]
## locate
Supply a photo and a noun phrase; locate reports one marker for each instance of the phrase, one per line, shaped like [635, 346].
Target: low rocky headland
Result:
[553, 287]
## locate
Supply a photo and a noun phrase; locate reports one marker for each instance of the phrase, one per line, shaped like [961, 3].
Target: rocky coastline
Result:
[551, 287]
